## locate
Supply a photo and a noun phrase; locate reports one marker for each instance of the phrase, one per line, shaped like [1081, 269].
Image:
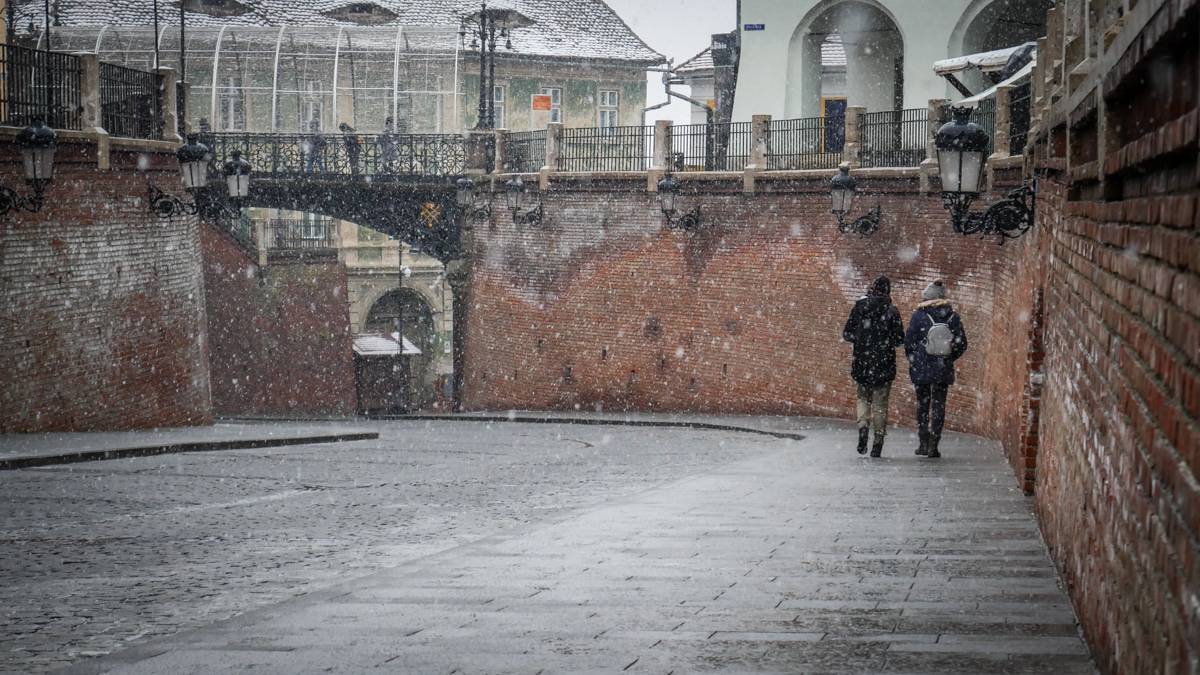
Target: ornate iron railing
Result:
[340, 154]
[606, 149]
[130, 102]
[39, 84]
[985, 117]
[525, 151]
[894, 137]
[710, 147]
[299, 235]
[801, 144]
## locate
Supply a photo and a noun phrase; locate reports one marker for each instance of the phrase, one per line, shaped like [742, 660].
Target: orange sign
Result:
[541, 102]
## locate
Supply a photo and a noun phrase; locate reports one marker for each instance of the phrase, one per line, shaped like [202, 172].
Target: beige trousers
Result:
[873, 408]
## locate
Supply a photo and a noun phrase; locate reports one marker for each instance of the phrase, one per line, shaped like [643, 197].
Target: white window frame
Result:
[555, 94]
[231, 102]
[499, 96]
[609, 107]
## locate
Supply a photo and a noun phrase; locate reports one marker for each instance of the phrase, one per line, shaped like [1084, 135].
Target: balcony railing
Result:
[606, 149]
[804, 143]
[130, 102]
[354, 154]
[894, 138]
[525, 151]
[39, 84]
[711, 147]
[300, 235]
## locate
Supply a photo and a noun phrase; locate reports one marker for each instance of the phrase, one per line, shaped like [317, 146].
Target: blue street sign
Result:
[755, 26]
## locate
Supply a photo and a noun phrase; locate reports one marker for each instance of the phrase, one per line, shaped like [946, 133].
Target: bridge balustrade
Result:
[355, 155]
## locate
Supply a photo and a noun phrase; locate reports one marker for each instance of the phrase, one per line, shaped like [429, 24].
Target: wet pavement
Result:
[452, 547]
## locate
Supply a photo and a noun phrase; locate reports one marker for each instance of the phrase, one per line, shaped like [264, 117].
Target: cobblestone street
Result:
[473, 547]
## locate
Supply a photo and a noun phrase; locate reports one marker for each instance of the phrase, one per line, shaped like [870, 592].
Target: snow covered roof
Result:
[700, 64]
[984, 61]
[375, 344]
[990, 92]
[578, 29]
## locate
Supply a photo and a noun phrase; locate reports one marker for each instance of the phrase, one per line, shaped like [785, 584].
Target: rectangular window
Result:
[610, 101]
[555, 95]
[498, 102]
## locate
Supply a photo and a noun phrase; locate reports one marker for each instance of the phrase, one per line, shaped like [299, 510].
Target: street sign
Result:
[755, 26]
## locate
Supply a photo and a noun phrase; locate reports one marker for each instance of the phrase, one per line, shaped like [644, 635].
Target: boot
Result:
[933, 446]
[877, 449]
[923, 448]
[862, 440]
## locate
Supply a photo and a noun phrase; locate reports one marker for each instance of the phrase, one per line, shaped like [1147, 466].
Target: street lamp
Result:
[194, 158]
[514, 190]
[237, 177]
[841, 193]
[668, 195]
[37, 143]
[962, 155]
[465, 198]
[484, 27]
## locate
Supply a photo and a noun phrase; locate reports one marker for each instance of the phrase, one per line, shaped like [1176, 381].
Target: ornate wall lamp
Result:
[465, 198]
[962, 153]
[841, 193]
[514, 190]
[37, 143]
[668, 195]
[194, 158]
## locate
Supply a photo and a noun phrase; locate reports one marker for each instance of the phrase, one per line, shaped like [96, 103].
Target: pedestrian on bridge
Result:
[353, 149]
[316, 148]
[875, 330]
[387, 146]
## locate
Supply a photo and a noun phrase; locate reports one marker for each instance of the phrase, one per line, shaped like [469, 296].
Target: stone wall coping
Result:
[9, 134]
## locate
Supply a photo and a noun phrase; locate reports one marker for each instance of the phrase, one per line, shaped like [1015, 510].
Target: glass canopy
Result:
[298, 79]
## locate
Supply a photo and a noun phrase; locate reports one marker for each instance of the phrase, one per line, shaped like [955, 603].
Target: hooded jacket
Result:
[924, 368]
[875, 330]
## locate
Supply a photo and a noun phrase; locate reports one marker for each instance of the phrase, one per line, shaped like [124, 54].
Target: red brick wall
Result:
[101, 304]
[280, 342]
[602, 307]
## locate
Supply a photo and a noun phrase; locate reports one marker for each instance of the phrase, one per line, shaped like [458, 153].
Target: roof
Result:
[985, 61]
[700, 64]
[1013, 81]
[374, 344]
[578, 29]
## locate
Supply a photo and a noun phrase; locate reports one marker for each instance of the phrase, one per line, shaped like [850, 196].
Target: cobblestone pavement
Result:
[101, 554]
[539, 548]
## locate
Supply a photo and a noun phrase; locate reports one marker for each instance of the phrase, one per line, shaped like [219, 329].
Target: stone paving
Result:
[692, 551]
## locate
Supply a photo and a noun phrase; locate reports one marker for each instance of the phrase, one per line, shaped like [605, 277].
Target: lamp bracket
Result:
[1007, 219]
[9, 199]
[689, 222]
[166, 205]
[865, 225]
[530, 216]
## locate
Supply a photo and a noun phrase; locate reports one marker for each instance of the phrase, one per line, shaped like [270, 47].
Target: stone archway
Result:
[407, 312]
[873, 46]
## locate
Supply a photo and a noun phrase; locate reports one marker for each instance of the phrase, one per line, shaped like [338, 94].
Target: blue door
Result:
[834, 112]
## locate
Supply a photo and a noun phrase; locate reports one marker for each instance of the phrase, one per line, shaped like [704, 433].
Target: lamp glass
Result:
[239, 185]
[666, 199]
[464, 194]
[513, 191]
[39, 163]
[842, 199]
[195, 174]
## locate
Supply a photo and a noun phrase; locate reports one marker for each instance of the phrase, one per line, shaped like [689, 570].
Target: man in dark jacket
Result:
[935, 340]
[875, 330]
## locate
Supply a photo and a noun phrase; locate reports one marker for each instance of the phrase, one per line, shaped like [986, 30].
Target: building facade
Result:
[807, 58]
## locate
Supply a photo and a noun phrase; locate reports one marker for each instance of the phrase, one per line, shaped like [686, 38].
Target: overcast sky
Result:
[679, 29]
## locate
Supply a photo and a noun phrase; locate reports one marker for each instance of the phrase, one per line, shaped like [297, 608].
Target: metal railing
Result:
[40, 84]
[893, 137]
[721, 146]
[299, 235]
[801, 144]
[355, 155]
[130, 102]
[985, 117]
[606, 149]
[525, 152]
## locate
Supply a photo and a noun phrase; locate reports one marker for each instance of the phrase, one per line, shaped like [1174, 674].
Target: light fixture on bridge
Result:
[514, 191]
[194, 159]
[465, 198]
[668, 196]
[37, 143]
[962, 158]
[841, 193]
[237, 177]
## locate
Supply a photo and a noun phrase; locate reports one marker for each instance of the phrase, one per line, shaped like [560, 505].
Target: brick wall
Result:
[101, 303]
[602, 307]
[280, 341]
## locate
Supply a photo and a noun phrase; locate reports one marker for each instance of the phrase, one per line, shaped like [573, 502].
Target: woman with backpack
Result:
[875, 331]
[935, 340]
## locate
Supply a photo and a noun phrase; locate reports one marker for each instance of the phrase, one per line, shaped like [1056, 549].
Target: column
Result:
[1001, 144]
[851, 149]
[168, 101]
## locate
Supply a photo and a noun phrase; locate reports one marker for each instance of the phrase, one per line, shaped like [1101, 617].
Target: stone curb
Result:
[595, 421]
[151, 450]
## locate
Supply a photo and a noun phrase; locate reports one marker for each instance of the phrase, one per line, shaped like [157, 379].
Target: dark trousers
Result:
[931, 407]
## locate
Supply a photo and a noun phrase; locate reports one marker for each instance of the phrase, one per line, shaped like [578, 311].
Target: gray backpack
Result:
[939, 341]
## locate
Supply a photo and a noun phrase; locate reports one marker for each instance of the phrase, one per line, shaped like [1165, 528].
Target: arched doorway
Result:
[405, 312]
[988, 25]
[845, 50]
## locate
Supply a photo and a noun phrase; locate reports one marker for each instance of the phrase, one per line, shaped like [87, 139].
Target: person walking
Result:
[935, 340]
[353, 149]
[387, 146]
[875, 330]
[316, 147]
